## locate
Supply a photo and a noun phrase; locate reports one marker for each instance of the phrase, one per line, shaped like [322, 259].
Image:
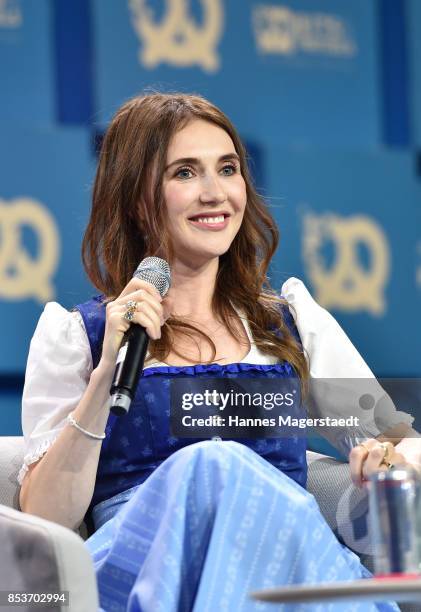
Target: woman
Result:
[179, 525]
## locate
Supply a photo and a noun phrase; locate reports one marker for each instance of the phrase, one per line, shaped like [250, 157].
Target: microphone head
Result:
[155, 271]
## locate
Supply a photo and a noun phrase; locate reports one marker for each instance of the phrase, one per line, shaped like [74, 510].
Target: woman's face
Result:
[204, 192]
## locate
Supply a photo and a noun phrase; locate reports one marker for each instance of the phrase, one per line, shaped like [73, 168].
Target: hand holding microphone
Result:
[126, 338]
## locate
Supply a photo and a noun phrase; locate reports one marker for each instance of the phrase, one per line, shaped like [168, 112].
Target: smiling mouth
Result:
[212, 222]
[210, 219]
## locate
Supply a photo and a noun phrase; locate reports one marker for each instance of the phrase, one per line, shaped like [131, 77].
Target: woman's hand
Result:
[151, 312]
[373, 456]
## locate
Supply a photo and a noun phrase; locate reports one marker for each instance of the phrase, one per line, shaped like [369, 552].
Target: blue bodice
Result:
[137, 443]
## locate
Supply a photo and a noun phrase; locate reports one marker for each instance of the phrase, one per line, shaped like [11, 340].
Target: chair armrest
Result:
[328, 479]
[343, 505]
[39, 556]
[11, 459]
[12, 449]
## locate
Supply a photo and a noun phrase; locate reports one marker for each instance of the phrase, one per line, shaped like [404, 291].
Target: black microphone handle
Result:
[128, 370]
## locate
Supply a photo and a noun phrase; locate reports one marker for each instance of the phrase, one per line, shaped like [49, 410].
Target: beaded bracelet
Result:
[73, 422]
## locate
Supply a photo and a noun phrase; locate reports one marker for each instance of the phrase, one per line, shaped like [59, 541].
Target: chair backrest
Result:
[11, 460]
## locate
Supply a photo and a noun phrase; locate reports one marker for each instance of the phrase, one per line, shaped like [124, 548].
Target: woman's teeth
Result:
[210, 219]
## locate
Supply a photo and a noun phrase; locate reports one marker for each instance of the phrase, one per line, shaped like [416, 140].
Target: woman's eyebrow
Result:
[194, 161]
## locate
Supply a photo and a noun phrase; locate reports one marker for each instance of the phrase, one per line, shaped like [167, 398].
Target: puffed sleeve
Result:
[57, 373]
[341, 383]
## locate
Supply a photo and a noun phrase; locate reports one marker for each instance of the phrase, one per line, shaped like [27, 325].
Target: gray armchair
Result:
[40, 555]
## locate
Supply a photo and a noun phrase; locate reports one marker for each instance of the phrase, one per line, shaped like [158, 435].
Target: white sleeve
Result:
[57, 373]
[341, 383]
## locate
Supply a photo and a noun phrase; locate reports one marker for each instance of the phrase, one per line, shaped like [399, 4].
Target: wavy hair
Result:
[128, 223]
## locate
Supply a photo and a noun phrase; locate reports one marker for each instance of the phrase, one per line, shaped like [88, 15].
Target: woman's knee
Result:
[214, 449]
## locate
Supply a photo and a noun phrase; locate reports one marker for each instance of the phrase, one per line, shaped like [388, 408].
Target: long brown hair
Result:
[128, 223]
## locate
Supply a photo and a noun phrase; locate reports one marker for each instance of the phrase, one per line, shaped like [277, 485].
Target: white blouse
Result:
[60, 364]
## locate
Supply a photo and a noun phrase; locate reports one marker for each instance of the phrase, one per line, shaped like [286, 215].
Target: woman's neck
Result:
[192, 289]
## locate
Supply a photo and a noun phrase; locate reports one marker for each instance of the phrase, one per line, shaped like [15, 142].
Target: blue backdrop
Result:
[285, 72]
[26, 62]
[44, 206]
[414, 45]
[353, 240]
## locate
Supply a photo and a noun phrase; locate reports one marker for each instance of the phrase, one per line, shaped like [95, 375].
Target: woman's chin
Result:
[204, 252]
[200, 257]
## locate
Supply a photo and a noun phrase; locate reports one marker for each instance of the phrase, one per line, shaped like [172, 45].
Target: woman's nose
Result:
[212, 191]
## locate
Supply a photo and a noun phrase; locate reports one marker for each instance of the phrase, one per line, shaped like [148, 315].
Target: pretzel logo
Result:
[348, 285]
[21, 276]
[178, 40]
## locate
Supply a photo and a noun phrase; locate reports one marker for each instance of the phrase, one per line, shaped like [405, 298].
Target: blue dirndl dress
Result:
[184, 525]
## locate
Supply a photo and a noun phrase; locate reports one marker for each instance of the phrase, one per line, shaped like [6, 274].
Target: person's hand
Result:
[151, 312]
[373, 456]
[410, 448]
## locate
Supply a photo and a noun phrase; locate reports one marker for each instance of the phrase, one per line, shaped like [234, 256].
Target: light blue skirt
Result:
[214, 522]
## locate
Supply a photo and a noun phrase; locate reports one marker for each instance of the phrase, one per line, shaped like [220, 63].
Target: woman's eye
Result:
[184, 173]
[229, 169]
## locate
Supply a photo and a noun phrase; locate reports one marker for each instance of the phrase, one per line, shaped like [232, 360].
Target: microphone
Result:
[132, 353]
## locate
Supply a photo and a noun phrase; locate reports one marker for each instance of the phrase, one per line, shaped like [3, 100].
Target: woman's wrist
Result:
[104, 369]
[410, 447]
[93, 410]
